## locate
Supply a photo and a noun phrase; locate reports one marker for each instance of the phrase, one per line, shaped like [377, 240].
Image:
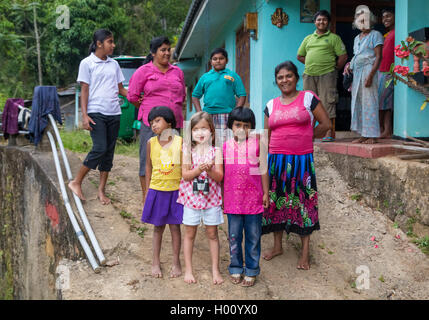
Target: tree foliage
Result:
[133, 22]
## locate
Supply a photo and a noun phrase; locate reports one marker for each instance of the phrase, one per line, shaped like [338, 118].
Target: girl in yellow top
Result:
[163, 174]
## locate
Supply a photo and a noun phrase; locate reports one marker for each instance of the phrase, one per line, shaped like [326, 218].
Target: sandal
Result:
[235, 278]
[248, 281]
[328, 139]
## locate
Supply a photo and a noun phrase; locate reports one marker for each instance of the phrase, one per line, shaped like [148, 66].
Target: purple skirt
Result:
[161, 208]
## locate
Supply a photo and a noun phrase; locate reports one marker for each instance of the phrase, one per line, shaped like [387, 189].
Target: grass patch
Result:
[125, 214]
[396, 225]
[330, 252]
[94, 182]
[141, 231]
[130, 149]
[381, 279]
[386, 204]
[80, 141]
[356, 197]
[423, 244]
[76, 140]
[410, 227]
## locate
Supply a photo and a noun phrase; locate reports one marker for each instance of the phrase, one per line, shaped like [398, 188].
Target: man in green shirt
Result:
[220, 87]
[323, 54]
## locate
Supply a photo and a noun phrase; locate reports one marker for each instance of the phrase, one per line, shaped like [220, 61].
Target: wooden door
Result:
[242, 59]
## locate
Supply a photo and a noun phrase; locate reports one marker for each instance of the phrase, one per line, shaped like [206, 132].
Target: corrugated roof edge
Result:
[193, 9]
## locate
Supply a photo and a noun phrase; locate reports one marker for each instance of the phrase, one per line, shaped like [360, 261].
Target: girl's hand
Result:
[205, 166]
[209, 166]
[140, 99]
[368, 81]
[86, 120]
[266, 201]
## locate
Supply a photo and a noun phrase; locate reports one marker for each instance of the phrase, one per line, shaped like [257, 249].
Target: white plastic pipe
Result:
[77, 200]
[69, 209]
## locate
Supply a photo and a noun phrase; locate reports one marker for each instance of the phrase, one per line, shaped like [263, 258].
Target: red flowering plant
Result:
[403, 74]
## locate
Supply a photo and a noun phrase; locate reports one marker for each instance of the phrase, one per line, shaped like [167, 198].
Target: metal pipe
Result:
[69, 209]
[76, 108]
[77, 200]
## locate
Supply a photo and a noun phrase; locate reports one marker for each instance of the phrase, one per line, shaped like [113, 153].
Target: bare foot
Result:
[370, 141]
[303, 263]
[176, 271]
[385, 136]
[189, 278]
[360, 140]
[76, 188]
[156, 271]
[102, 197]
[217, 278]
[269, 254]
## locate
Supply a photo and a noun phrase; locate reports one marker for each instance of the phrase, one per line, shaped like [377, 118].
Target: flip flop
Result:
[235, 278]
[328, 139]
[248, 281]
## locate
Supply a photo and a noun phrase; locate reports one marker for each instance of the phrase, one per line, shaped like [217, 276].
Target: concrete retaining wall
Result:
[399, 189]
[35, 232]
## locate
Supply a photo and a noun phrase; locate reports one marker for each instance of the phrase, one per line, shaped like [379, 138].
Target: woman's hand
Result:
[347, 69]
[86, 120]
[266, 200]
[368, 81]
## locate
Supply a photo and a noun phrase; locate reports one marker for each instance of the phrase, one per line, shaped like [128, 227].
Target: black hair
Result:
[154, 46]
[165, 112]
[323, 13]
[219, 50]
[242, 114]
[99, 35]
[390, 10]
[289, 66]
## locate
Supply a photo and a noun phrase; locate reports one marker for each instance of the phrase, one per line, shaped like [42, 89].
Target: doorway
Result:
[342, 12]
[242, 59]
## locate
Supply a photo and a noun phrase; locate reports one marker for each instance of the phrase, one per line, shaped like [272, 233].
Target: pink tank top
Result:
[292, 124]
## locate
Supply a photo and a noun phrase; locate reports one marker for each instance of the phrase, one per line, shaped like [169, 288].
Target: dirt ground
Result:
[343, 247]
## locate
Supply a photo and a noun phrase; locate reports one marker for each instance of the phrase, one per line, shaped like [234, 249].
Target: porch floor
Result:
[384, 147]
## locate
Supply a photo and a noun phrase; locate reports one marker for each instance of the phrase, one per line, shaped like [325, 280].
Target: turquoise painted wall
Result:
[408, 119]
[276, 46]
[273, 46]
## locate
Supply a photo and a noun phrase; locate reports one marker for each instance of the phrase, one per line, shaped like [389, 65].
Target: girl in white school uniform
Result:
[101, 80]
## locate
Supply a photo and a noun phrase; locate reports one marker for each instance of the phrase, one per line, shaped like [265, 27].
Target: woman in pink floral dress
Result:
[290, 121]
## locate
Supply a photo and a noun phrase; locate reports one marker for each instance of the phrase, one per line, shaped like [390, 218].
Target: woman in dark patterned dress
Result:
[290, 120]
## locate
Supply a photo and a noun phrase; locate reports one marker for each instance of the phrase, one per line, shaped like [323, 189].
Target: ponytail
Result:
[99, 35]
[148, 59]
[92, 47]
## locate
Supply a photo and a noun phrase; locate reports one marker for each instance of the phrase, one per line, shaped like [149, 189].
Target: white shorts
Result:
[210, 217]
